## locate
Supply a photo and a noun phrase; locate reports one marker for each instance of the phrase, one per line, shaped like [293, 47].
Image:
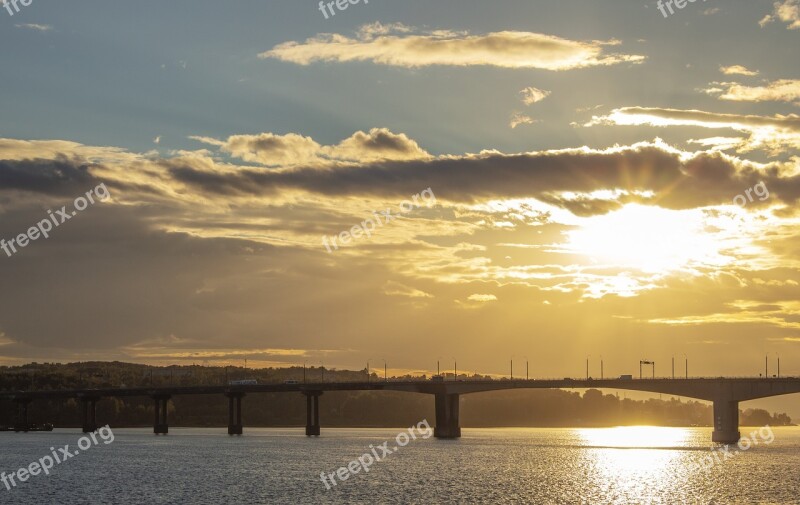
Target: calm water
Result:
[496, 466]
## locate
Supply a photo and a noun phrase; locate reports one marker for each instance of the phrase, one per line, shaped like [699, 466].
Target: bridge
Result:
[724, 393]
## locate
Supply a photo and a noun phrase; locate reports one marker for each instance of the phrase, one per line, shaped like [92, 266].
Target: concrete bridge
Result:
[725, 393]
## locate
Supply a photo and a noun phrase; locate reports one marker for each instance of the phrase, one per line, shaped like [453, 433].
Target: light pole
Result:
[601, 367]
[766, 366]
[687, 365]
[367, 371]
[385, 377]
[587, 367]
[512, 368]
[647, 362]
[673, 368]
[455, 369]
[304, 372]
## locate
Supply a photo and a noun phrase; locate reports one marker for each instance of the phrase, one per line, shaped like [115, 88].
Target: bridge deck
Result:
[701, 388]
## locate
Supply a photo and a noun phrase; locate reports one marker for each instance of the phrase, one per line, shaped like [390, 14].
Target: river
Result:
[638, 465]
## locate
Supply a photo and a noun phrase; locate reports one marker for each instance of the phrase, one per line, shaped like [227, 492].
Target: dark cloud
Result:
[704, 179]
[60, 176]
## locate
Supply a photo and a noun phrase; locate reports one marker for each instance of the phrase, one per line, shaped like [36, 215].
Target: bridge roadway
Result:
[725, 393]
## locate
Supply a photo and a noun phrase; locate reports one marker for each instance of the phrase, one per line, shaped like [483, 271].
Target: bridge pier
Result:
[235, 413]
[447, 425]
[726, 421]
[312, 413]
[160, 423]
[22, 414]
[89, 413]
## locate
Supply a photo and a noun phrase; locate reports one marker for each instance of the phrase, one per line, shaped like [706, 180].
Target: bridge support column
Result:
[89, 414]
[726, 421]
[235, 413]
[312, 413]
[447, 425]
[160, 422]
[22, 414]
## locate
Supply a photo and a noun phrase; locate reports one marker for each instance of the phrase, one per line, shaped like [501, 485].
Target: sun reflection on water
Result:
[634, 460]
[644, 437]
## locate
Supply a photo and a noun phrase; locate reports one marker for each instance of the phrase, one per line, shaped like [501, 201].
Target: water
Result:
[495, 466]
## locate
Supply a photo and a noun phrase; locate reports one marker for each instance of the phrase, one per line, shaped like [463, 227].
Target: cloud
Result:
[394, 288]
[268, 148]
[567, 179]
[719, 143]
[371, 30]
[787, 11]
[519, 118]
[777, 134]
[737, 70]
[58, 176]
[395, 45]
[531, 95]
[200, 256]
[481, 298]
[582, 181]
[378, 144]
[475, 301]
[783, 90]
[293, 149]
[34, 26]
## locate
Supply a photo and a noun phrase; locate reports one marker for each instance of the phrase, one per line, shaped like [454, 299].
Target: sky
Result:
[407, 182]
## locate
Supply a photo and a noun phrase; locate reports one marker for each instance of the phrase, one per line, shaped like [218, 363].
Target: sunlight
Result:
[634, 437]
[634, 460]
[647, 238]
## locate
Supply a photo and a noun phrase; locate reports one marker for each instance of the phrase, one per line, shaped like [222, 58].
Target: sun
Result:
[646, 238]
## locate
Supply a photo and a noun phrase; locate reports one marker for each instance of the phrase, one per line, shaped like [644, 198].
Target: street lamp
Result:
[385, 379]
[455, 369]
[687, 365]
[601, 367]
[647, 362]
